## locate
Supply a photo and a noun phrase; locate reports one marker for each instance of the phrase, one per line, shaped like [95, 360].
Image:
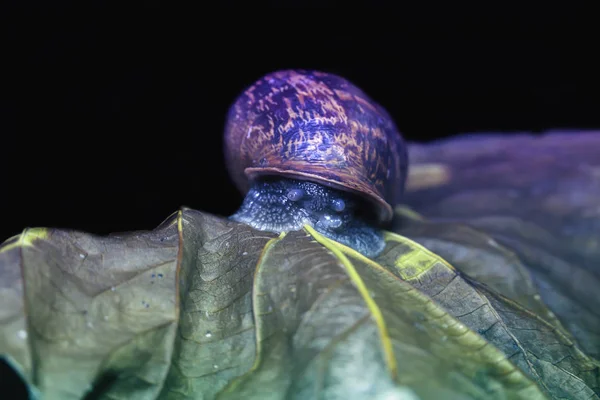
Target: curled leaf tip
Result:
[25, 239]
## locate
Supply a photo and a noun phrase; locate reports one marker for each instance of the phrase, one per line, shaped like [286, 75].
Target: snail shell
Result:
[319, 127]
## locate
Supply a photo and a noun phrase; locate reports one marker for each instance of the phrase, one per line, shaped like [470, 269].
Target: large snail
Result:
[309, 147]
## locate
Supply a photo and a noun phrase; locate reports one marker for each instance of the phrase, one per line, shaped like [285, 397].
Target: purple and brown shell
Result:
[319, 127]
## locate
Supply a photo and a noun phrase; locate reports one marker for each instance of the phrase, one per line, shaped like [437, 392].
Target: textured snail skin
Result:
[281, 205]
[319, 127]
[305, 146]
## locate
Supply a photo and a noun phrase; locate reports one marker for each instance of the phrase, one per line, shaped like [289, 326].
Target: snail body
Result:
[311, 147]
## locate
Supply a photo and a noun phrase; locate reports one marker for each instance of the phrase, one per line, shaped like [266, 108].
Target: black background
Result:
[111, 125]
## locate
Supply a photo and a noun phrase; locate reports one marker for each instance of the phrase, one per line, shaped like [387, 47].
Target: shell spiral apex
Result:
[317, 127]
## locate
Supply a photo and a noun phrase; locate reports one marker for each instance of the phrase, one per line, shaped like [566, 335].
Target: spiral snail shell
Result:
[311, 147]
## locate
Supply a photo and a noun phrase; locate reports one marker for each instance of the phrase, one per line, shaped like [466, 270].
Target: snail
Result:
[310, 147]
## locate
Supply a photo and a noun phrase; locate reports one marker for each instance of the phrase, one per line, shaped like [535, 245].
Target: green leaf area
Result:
[487, 289]
[205, 308]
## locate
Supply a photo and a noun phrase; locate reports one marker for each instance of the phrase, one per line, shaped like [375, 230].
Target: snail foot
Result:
[283, 205]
